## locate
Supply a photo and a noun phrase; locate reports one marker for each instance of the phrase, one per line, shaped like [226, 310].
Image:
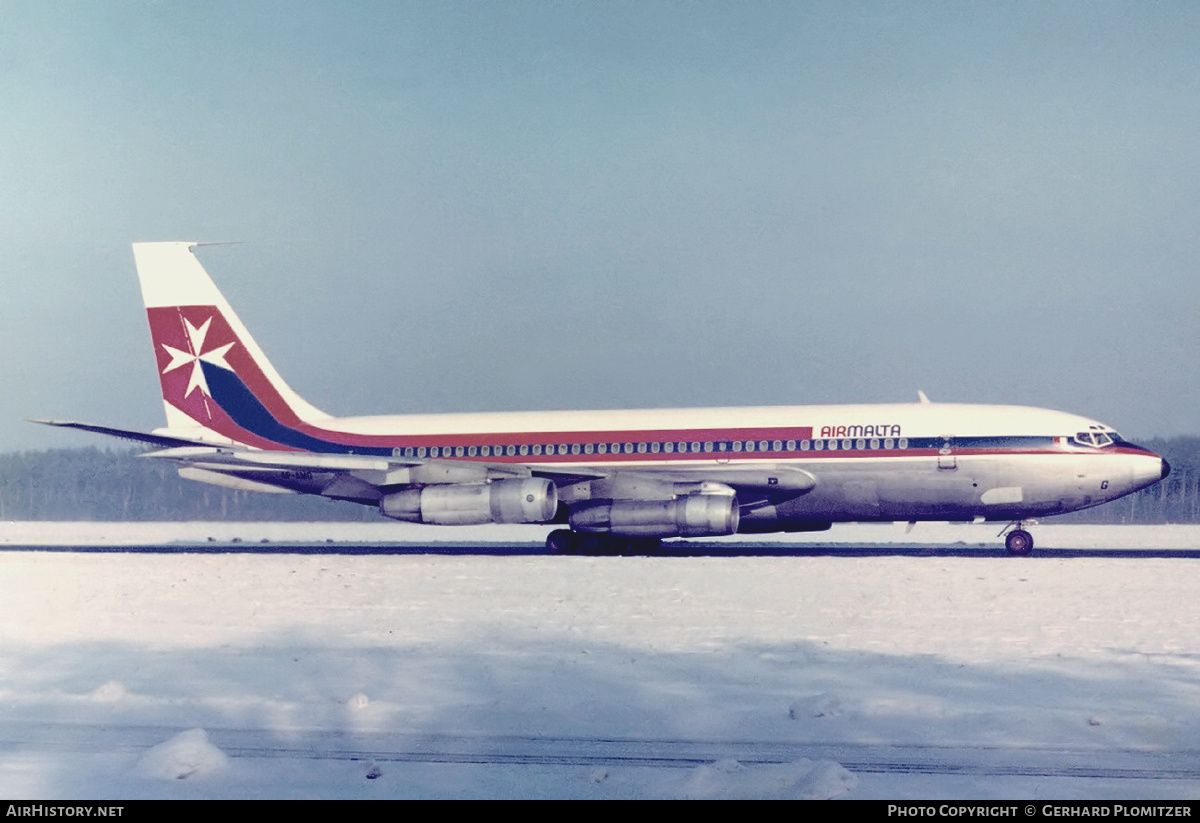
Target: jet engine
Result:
[529, 500]
[692, 515]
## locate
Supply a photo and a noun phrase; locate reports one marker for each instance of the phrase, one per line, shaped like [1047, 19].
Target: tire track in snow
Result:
[687, 754]
[634, 752]
[517, 750]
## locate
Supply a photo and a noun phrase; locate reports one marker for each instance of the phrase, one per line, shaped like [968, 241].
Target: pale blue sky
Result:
[473, 206]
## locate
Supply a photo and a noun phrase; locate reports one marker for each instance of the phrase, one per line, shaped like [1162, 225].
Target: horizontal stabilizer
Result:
[125, 434]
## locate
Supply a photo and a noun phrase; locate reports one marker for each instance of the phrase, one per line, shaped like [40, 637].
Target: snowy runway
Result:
[469, 676]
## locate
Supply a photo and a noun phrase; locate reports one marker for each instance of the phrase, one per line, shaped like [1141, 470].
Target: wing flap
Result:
[231, 481]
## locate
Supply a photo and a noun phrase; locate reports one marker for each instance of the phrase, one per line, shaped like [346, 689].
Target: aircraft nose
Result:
[1166, 469]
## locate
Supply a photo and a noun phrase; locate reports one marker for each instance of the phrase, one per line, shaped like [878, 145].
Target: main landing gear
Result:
[565, 541]
[1018, 541]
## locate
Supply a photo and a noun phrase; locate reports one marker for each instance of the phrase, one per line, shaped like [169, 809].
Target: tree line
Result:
[117, 484]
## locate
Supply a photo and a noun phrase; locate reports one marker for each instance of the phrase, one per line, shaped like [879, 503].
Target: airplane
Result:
[617, 482]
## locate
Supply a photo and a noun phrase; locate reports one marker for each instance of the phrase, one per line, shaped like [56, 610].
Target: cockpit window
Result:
[1095, 438]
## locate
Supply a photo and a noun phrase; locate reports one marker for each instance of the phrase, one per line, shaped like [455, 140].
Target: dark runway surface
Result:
[668, 549]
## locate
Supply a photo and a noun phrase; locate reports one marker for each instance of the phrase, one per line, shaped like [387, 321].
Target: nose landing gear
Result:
[1018, 541]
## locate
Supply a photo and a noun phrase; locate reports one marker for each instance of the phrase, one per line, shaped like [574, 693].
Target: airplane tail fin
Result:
[217, 384]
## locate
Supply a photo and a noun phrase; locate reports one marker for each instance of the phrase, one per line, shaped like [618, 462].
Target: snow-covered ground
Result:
[185, 674]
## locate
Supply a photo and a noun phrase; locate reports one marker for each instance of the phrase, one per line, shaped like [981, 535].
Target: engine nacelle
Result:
[766, 519]
[531, 500]
[693, 515]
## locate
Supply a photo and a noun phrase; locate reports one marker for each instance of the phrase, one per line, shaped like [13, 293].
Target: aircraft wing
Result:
[363, 478]
[367, 478]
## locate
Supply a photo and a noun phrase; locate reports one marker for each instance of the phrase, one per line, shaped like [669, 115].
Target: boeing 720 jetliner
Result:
[618, 481]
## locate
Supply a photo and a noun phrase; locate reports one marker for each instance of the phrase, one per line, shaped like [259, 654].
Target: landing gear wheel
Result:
[636, 546]
[564, 541]
[611, 545]
[1019, 542]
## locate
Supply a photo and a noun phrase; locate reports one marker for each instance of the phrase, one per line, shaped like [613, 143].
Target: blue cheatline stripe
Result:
[232, 395]
[248, 412]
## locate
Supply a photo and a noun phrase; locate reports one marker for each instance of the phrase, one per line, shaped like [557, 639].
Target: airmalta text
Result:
[885, 430]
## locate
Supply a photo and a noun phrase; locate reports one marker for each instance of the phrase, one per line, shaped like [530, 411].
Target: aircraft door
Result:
[947, 460]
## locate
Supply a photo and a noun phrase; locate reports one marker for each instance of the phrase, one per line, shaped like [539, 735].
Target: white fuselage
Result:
[913, 461]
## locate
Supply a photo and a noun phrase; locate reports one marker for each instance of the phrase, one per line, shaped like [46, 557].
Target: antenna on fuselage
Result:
[921, 396]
